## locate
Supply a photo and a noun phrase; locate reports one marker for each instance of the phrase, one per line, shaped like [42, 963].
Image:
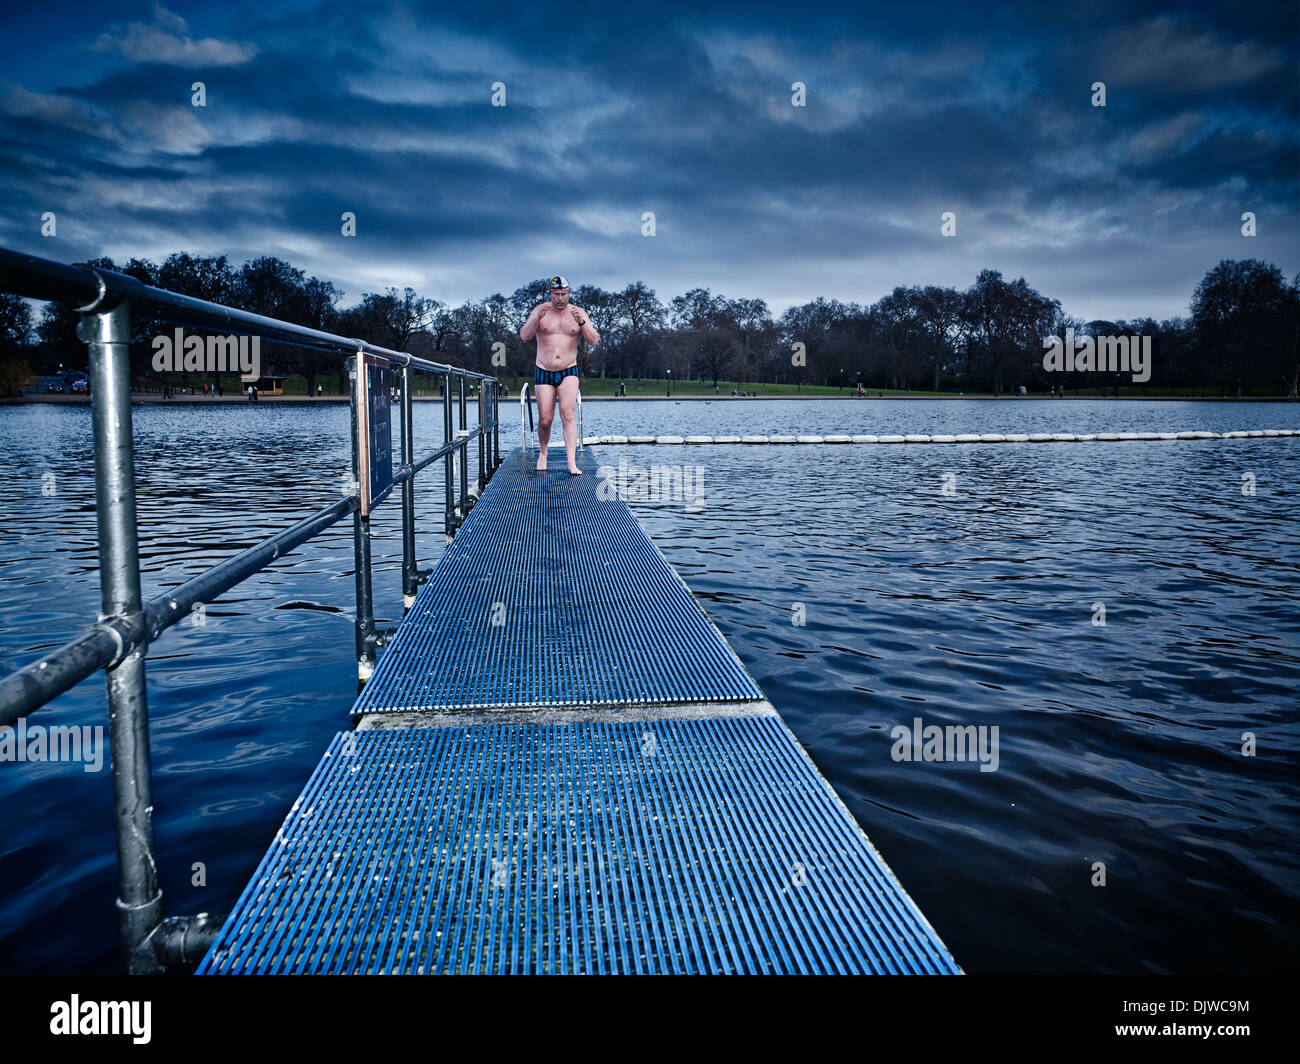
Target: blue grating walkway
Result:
[633, 806]
[676, 846]
[548, 596]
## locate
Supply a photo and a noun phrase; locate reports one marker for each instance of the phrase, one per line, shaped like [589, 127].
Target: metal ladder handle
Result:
[525, 400]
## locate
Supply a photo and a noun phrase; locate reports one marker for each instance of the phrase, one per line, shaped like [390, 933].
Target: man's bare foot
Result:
[541, 461]
[575, 472]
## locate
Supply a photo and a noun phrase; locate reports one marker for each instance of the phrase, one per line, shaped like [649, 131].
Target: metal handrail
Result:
[119, 640]
[91, 287]
[106, 642]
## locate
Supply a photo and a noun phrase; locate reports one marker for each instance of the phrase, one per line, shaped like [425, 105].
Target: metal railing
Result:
[119, 640]
[526, 428]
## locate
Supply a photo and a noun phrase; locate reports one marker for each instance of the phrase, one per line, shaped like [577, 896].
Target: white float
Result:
[986, 437]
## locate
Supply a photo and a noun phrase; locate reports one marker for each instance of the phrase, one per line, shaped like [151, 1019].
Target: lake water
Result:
[1119, 744]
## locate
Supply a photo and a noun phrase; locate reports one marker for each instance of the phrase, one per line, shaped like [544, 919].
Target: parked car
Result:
[53, 384]
[82, 385]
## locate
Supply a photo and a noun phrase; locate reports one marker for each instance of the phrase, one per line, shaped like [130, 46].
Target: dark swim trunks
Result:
[553, 376]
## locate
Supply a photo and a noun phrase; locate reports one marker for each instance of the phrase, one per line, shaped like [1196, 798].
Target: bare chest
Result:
[558, 323]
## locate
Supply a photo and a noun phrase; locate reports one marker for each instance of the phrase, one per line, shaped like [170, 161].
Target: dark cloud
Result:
[316, 109]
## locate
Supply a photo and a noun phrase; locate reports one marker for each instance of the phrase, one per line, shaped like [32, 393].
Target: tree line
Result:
[1241, 334]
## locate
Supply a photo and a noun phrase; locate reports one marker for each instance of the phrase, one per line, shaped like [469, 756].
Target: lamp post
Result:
[670, 384]
[841, 378]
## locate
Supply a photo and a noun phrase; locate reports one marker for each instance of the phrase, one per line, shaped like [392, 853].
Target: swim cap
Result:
[559, 282]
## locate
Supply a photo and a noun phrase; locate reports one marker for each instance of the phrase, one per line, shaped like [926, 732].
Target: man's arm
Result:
[534, 320]
[589, 332]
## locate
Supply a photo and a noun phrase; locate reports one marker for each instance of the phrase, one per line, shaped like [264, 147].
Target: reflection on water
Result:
[1118, 744]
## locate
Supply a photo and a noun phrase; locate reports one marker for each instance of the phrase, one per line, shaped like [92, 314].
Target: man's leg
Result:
[545, 415]
[568, 407]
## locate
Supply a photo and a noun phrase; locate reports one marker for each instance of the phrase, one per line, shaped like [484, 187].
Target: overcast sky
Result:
[912, 110]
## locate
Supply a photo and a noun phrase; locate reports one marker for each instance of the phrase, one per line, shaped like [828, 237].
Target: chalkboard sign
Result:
[375, 432]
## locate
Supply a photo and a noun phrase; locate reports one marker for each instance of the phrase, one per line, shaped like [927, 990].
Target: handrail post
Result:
[410, 575]
[361, 543]
[449, 515]
[106, 328]
[496, 425]
[464, 451]
[482, 434]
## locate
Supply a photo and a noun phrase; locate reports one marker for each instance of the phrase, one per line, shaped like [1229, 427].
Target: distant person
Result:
[557, 326]
[319, 391]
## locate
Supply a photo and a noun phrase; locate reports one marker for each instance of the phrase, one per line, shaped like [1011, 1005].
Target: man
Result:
[557, 326]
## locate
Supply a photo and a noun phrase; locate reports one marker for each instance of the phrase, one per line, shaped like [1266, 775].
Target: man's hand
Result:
[577, 316]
